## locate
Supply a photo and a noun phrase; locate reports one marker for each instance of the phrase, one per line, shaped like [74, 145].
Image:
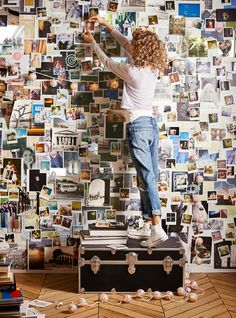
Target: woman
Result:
[149, 59]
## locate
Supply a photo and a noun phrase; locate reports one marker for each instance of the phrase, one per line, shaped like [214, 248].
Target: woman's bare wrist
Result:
[108, 26]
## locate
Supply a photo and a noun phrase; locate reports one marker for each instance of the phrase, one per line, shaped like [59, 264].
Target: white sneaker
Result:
[140, 234]
[157, 236]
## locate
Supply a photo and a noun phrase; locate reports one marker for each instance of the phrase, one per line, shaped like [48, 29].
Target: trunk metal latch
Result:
[131, 259]
[167, 264]
[95, 263]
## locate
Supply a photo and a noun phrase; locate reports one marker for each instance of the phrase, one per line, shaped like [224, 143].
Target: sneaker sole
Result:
[154, 243]
[136, 237]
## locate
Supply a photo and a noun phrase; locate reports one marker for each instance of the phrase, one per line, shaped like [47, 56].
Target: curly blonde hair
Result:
[149, 50]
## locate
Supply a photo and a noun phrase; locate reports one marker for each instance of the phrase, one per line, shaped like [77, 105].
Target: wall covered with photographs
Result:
[64, 159]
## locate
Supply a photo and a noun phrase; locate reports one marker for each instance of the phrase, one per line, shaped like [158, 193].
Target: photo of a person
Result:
[140, 79]
[28, 156]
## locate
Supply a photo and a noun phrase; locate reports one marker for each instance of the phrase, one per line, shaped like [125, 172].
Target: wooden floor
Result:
[219, 299]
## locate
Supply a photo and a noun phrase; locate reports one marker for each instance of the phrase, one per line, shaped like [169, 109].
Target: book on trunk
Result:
[87, 239]
[108, 229]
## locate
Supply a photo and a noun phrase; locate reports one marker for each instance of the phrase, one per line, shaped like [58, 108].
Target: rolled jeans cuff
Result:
[156, 212]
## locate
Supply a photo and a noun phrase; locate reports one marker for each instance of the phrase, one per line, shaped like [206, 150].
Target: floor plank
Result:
[218, 300]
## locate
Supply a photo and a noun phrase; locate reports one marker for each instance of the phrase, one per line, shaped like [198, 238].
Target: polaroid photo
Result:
[216, 236]
[9, 238]
[64, 208]
[183, 145]
[177, 25]
[93, 11]
[43, 211]
[74, 24]
[194, 113]
[213, 118]
[224, 251]
[110, 215]
[213, 214]
[170, 163]
[223, 213]
[29, 4]
[40, 303]
[124, 194]
[44, 165]
[228, 33]
[86, 66]
[197, 229]
[11, 137]
[210, 24]
[51, 38]
[220, 72]
[3, 20]
[36, 235]
[186, 219]
[212, 44]
[13, 194]
[188, 198]
[78, 37]
[110, 43]
[85, 175]
[57, 219]
[80, 53]
[224, 86]
[112, 6]
[152, 19]
[52, 205]
[45, 193]
[91, 216]
[94, 108]
[66, 222]
[174, 78]
[132, 6]
[41, 12]
[173, 131]
[115, 148]
[179, 181]
[169, 5]
[229, 100]
[227, 143]
[114, 126]
[230, 233]
[193, 97]
[3, 194]
[221, 164]
[221, 174]
[212, 196]
[230, 171]
[171, 218]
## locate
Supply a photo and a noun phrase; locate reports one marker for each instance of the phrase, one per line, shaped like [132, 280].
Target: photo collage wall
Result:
[64, 157]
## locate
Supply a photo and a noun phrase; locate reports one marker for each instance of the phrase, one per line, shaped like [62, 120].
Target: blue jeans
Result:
[143, 138]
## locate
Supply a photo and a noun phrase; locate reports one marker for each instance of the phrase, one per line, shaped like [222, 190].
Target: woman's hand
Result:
[97, 19]
[87, 36]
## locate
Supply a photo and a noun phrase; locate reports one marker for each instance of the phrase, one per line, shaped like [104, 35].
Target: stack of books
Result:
[10, 296]
[104, 234]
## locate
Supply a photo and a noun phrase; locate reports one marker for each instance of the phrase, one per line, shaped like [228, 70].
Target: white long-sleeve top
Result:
[139, 83]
